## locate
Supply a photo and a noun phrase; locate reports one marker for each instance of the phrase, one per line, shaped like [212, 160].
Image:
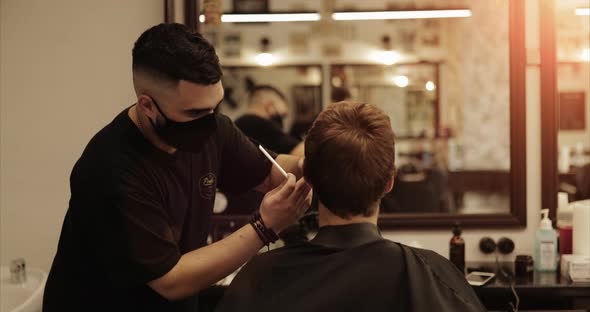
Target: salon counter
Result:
[538, 291]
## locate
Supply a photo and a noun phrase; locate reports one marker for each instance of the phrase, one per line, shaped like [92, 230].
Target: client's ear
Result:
[389, 185]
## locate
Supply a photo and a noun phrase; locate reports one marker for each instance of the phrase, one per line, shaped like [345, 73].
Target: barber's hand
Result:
[285, 204]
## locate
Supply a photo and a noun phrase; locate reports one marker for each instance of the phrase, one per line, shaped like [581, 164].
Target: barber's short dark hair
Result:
[173, 52]
[263, 88]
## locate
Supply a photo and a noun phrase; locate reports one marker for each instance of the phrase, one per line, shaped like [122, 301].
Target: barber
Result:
[142, 193]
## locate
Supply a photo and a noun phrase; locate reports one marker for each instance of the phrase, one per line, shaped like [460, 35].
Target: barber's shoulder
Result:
[105, 154]
[223, 120]
[225, 126]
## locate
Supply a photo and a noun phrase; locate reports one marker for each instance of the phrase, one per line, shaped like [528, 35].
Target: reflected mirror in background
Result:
[407, 93]
[301, 85]
[573, 87]
[449, 107]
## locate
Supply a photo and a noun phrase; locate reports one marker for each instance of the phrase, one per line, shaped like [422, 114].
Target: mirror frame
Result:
[516, 217]
[549, 108]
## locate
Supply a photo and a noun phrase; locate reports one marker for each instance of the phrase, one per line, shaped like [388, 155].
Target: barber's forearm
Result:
[198, 269]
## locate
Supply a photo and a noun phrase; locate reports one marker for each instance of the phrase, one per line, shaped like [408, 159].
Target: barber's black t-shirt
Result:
[267, 133]
[134, 210]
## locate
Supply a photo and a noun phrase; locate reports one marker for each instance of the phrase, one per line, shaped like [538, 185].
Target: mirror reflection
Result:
[444, 83]
[573, 86]
[293, 93]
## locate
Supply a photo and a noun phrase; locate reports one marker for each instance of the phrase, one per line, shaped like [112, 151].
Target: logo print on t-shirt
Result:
[207, 186]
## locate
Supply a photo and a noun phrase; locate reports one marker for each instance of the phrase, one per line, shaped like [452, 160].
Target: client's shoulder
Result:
[429, 258]
[439, 280]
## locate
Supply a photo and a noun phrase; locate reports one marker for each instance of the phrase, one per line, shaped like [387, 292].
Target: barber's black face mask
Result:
[278, 120]
[188, 136]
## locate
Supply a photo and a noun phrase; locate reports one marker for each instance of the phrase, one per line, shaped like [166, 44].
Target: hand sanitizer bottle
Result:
[545, 245]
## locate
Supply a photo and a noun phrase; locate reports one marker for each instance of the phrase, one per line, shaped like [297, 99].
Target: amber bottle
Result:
[457, 249]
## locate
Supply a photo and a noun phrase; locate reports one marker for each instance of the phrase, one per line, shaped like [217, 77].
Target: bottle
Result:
[457, 249]
[564, 223]
[545, 245]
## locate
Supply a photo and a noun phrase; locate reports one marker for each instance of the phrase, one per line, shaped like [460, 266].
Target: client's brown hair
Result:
[349, 157]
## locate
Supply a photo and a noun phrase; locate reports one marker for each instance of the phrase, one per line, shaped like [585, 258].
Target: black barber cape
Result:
[350, 268]
[134, 210]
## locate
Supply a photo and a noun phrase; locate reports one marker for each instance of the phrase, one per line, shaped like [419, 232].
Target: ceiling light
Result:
[265, 59]
[386, 15]
[385, 57]
[583, 11]
[261, 18]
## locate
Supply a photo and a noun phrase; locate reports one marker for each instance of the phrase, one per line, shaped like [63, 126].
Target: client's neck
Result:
[326, 217]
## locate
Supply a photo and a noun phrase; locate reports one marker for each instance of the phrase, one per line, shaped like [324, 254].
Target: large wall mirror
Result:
[566, 107]
[454, 91]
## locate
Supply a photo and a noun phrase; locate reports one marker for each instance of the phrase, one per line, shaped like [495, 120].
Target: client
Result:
[348, 266]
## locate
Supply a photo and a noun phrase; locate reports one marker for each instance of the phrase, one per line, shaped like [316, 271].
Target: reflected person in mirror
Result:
[349, 266]
[264, 120]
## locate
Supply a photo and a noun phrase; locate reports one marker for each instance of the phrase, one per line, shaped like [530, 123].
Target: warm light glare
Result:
[265, 59]
[583, 11]
[385, 57]
[336, 82]
[585, 55]
[430, 86]
[385, 15]
[401, 81]
[260, 18]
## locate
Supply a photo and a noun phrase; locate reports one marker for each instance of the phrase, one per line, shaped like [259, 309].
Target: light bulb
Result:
[265, 59]
[430, 86]
[401, 81]
[387, 57]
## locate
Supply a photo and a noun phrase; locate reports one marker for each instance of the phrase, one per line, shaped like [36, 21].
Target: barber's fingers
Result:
[278, 187]
[301, 189]
[302, 201]
[286, 188]
[303, 204]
